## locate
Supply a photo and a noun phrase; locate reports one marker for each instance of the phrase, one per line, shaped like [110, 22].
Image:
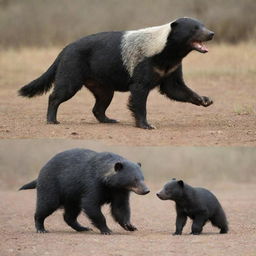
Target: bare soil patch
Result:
[154, 218]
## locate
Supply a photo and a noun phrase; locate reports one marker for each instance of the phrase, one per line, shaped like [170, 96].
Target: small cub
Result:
[199, 204]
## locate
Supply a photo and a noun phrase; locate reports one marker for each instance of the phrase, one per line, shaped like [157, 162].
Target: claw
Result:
[106, 232]
[130, 227]
[206, 101]
[146, 126]
[41, 231]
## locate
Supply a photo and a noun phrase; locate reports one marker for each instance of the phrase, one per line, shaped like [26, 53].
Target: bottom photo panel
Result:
[78, 197]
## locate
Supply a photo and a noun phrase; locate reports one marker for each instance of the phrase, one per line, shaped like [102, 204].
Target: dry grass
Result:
[54, 22]
[224, 60]
[244, 110]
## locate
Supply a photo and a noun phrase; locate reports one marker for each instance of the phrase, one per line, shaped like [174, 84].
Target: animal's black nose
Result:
[211, 34]
[146, 191]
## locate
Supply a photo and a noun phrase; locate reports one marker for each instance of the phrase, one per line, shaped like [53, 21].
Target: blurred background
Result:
[21, 161]
[54, 22]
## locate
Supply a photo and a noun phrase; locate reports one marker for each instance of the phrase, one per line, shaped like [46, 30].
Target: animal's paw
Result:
[223, 231]
[129, 227]
[195, 233]
[146, 126]
[52, 122]
[106, 232]
[206, 101]
[81, 229]
[41, 231]
[176, 233]
[109, 120]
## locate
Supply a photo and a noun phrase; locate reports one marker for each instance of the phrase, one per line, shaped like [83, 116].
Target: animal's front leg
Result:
[120, 210]
[175, 88]
[96, 216]
[181, 92]
[181, 220]
[137, 104]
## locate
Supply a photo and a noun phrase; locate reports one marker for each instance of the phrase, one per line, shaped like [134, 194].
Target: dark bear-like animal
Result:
[82, 179]
[199, 204]
[135, 61]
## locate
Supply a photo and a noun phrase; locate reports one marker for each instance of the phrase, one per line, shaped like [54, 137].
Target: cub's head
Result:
[189, 34]
[127, 175]
[172, 190]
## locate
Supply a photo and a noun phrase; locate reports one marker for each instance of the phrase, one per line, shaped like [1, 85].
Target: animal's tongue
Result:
[200, 47]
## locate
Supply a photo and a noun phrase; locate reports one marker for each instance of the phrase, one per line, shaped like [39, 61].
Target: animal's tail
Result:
[42, 84]
[30, 185]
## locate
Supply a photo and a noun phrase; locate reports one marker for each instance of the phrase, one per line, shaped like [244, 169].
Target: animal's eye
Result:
[196, 27]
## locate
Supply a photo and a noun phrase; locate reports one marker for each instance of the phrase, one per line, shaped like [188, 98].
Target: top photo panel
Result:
[129, 73]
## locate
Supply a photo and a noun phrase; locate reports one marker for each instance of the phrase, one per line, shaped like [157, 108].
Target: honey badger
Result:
[135, 61]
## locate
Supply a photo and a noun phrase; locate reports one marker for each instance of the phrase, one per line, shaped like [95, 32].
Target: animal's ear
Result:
[118, 166]
[181, 183]
[139, 164]
[174, 24]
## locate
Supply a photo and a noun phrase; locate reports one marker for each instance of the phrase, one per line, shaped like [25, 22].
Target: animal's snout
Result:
[140, 189]
[211, 34]
[146, 191]
[143, 189]
[206, 35]
[159, 195]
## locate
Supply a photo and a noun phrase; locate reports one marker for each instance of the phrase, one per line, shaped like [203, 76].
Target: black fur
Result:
[82, 179]
[199, 204]
[30, 185]
[96, 62]
[42, 84]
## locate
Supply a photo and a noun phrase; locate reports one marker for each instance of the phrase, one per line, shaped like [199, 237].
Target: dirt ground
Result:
[226, 73]
[155, 220]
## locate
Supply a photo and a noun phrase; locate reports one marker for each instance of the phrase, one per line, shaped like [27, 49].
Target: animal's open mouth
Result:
[198, 46]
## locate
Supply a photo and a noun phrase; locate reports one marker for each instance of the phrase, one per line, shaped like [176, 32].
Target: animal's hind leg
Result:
[103, 97]
[62, 92]
[70, 216]
[69, 79]
[198, 224]
[44, 208]
[219, 220]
